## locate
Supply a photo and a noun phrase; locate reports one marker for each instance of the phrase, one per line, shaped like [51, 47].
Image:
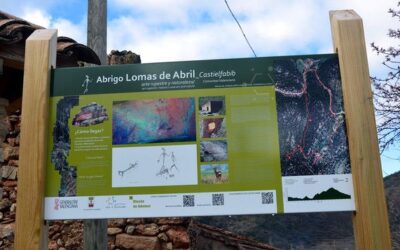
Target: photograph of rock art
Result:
[90, 114]
[154, 120]
[213, 128]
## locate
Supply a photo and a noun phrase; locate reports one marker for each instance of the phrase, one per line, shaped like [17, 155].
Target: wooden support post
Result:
[370, 221]
[40, 56]
[95, 231]
[97, 28]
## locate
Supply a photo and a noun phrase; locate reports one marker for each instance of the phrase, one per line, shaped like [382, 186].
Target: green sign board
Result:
[232, 136]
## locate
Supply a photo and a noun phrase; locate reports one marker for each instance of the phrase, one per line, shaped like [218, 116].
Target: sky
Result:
[181, 30]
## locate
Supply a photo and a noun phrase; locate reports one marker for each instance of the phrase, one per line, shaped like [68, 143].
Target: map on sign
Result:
[197, 138]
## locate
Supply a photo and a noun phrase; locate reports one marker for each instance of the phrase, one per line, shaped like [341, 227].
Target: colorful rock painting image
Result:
[90, 114]
[155, 120]
[213, 128]
[212, 151]
[312, 133]
[212, 105]
[214, 173]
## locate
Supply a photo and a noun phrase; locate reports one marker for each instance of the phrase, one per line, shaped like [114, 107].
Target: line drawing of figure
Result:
[86, 84]
[163, 169]
[173, 159]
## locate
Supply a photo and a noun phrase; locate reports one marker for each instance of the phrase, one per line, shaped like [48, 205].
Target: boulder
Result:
[5, 204]
[113, 230]
[7, 231]
[135, 221]
[117, 223]
[147, 229]
[167, 246]
[8, 172]
[129, 229]
[163, 237]
[10, 152]
[52, 245]
[137, 242]
[179, 237]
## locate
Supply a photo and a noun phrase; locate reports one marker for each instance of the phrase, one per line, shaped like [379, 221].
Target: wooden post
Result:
[97, 28]
[95, 231]
[40, 56]
[370, 221]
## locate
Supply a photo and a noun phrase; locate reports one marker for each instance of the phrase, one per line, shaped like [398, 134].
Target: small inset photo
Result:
[212, 105]
[213, 128]
[212, 151]
[90, 114]
[214, 173]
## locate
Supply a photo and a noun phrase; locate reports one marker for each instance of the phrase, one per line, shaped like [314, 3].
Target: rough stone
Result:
[13, 196]
[165, 221]
[5, 204]
[14, 163]
[129, 229]
[9, 172]
[7, 231]
[148, 229]
[167, 246]
[13, 207]
[164, 228]
[60, 242]
[56, 236]
[163, 237]
[179, 237]
[137, 242]
[10, 183]
[116, 222]
[11, 153]
[134, 221]
[113, 230]
[52, 245]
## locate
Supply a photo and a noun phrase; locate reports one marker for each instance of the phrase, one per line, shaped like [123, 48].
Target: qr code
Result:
[188, 200]
[218, 199]
[267, 198]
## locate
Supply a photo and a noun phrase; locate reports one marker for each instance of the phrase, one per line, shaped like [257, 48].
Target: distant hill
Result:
[310, 230]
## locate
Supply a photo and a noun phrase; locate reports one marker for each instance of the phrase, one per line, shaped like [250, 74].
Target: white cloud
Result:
[76, 31]
[36, 16]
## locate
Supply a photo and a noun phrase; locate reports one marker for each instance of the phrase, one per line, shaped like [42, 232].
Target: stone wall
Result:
[149, 234]
[9, 154]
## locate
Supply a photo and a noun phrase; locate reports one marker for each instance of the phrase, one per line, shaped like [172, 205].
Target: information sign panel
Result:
[216, 137]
